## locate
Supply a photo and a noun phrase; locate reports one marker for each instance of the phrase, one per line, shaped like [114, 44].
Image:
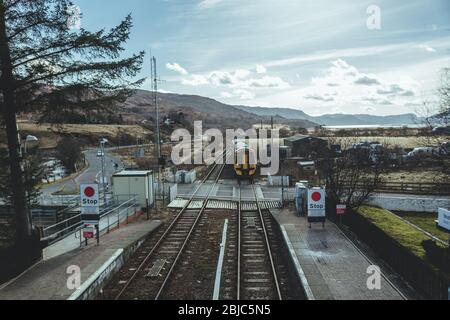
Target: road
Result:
[92, 174]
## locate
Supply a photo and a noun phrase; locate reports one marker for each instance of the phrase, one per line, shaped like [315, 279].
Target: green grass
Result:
[404, 234]
[426, 221]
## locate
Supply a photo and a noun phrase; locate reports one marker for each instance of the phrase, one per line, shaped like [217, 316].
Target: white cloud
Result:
[395, 89]
[267, 82]
[347, 81]
[177, 68]
[342, 86]
[367, 80]
[238, 79]
[218, 78]
[238, 93]
[260, 69]
[207, 4]
[244, 94]
[226, 95]
[195, 80]
[426, 47]
[325, 97]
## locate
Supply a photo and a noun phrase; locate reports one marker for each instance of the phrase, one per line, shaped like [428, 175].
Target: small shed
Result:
[127, 184]
[307, 146]
[307, 166]
[285, 152]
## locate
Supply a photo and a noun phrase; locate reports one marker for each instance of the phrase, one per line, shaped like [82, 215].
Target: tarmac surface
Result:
[330, 265]
[47, 280]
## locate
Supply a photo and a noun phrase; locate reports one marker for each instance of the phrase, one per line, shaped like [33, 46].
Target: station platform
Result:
[329, 265]
[48, 280]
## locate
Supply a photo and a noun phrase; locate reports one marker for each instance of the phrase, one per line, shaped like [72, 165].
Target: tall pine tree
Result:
[50, 69]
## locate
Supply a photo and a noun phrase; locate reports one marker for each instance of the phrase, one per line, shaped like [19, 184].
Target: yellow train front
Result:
[245, 162]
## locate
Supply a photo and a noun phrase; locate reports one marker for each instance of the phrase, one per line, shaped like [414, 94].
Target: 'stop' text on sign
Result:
[316, 203]
[89, 195]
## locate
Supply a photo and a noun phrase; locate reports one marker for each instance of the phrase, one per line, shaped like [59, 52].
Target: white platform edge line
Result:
[223, 245]
[298, 267]
[76, 295]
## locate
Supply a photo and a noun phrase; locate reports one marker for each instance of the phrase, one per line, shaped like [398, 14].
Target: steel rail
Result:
[191, 231]
[168, 230]
[238, 295]
[269, 251]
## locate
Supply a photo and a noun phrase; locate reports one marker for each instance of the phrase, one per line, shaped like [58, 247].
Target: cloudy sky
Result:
[319, 56]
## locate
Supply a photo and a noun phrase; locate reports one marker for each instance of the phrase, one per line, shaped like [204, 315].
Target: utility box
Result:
[279, 181]
[139, 184]
[301, 198]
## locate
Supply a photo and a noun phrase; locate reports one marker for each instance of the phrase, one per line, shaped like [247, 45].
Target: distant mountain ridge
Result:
[219, 115]
[213, 113]
[336, 119]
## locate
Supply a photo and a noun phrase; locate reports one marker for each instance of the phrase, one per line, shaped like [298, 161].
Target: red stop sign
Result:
[89, 192]
[316, 196]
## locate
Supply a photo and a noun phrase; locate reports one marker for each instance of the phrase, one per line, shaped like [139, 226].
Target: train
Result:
[243, 169]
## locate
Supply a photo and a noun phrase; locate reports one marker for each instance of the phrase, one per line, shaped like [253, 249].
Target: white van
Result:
[423, 151]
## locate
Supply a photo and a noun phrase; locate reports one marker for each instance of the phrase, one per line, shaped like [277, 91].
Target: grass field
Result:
[422, 175]
[49, 135]
[396, 228]
[426, 221]
[403, 142]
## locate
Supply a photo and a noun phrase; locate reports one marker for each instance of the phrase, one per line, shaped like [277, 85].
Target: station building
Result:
[307, 147]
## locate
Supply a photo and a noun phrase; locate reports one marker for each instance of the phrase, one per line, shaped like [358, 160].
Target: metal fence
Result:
[111, 216]
[289, 194]
[58, 200]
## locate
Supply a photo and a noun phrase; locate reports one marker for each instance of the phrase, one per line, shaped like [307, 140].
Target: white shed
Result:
[127, 184]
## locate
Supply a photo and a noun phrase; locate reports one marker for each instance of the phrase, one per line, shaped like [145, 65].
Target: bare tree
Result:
[350, 180]
[444, 93]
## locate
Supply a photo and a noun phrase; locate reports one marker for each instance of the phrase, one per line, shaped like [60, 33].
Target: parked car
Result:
[445, 149]
[423, 151]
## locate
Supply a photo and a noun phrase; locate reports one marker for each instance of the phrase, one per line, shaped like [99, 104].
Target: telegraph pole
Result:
[155, 97]
[157, 128]
[102, 148]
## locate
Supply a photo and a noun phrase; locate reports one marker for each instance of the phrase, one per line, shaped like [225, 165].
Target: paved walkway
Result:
[48, 279]
[333, 268]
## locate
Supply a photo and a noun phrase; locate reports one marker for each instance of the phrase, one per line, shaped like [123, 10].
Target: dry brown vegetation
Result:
[49, 135]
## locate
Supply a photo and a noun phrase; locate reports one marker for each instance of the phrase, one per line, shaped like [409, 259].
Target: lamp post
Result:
[103, 142]
[27, 140]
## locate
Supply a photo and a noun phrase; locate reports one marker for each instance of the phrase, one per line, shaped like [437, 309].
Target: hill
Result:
[212, 112]
[336, 119]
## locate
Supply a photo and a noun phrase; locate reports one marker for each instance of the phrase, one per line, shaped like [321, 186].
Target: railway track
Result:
[257, 276]
[257, 266]
[179, 261]
[149, 276]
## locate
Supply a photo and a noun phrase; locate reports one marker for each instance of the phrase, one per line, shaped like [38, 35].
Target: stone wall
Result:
[410, 203]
